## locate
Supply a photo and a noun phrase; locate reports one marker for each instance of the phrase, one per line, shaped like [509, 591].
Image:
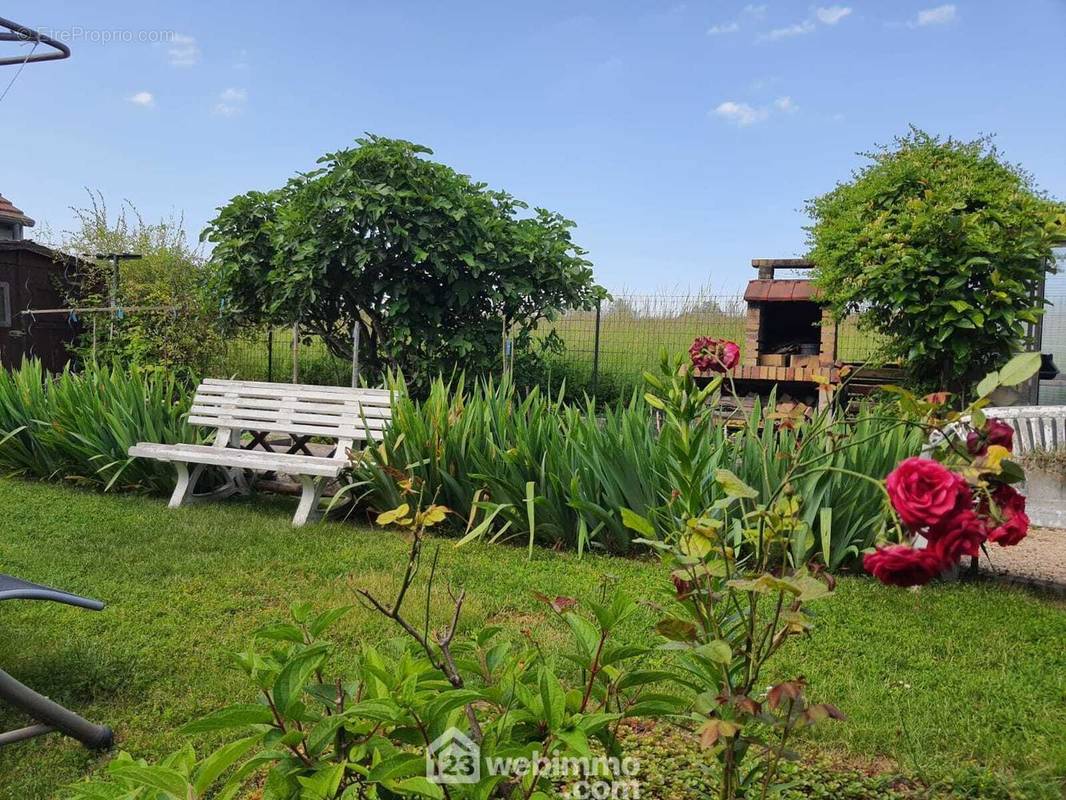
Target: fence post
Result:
[270, 356]
[296, 352]
[596, 352]
[355, 354]
[503, 345]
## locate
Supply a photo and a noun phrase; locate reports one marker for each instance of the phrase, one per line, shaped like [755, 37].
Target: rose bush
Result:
[959, 498]
[996, 432]
[924, 492]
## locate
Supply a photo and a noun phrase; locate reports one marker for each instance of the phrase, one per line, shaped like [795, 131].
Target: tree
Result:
[426, 262]
[941, 246]
[170, 274]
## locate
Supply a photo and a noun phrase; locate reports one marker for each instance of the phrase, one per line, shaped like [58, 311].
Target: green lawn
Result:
[931, 681]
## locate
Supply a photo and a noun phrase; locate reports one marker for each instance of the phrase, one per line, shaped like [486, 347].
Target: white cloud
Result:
[751, 9]
[799, 29]
[941, 15]
[741, 114]
[785, 104]
[231, 102]
[831, 15]
[725, 27]
[144, 99]
[183, 50]
[744, 114]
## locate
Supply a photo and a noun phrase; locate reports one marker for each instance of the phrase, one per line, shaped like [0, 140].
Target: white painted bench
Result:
[1035, 427]
[236, 408]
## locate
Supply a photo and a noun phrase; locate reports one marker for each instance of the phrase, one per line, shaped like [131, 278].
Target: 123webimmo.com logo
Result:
[454, 758]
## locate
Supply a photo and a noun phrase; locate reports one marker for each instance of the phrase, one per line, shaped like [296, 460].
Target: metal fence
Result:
[280, 355]
[603, 352]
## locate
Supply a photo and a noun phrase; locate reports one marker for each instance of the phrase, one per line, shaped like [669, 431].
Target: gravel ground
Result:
[1041, 556]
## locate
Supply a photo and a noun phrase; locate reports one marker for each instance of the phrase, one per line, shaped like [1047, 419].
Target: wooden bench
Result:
[245, 413]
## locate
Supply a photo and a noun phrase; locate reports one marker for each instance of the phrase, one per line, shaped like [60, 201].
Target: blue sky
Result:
[682, 137]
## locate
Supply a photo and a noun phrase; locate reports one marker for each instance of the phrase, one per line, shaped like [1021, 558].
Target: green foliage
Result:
[940, 245]
[170, 275]
[170, 577]
[427, 262]
[78, 426]
[370, 732]
[480, 447]
[738, 595]
[674, 769]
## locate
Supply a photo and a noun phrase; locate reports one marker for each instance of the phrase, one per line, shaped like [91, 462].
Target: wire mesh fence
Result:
[602, 352]
[279, 355]
[605, 352]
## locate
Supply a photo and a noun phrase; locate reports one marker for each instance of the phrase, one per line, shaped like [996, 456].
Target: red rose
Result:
[1015, 524]
[958, 535]
[715, 355]
[995, 433]
[900, 565]
[924, 492]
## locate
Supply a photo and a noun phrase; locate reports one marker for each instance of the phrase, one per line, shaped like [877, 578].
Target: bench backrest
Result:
[335, 412]
[1035, 427]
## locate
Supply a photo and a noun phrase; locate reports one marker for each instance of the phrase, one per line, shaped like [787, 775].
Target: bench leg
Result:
[183, 491]
[243, 482]
[312, 492]
[51, 717]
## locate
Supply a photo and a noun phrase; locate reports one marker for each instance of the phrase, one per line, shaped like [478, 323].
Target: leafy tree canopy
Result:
[427, 262]
[940, 245]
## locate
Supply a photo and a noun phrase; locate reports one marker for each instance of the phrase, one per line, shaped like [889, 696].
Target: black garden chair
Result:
[48, 716]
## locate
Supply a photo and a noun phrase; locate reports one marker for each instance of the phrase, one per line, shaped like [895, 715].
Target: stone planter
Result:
[1045, 494]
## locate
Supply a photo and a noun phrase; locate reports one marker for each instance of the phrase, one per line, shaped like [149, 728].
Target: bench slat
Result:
[351, 407]
[311, 387]
[246, 459]
[287, 416]
[283, 391]
[245, 424]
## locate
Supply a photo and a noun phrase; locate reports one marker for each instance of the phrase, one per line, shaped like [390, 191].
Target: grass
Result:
[934, 680]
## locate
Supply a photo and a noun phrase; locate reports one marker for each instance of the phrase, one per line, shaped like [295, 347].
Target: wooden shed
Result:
[31, 277]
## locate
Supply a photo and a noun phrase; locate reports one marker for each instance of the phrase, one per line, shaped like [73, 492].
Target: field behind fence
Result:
[602, 353]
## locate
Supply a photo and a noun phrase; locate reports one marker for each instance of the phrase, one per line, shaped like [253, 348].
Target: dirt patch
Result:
[1040, 556]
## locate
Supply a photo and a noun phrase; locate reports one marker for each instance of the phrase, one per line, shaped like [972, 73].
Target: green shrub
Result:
[941, 246]
[534, 469]
[78, 426]
[426, 263]
[169, 274]
[381, 730]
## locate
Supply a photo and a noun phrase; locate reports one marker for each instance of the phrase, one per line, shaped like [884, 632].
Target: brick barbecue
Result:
[790, 342]
[788, 335]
